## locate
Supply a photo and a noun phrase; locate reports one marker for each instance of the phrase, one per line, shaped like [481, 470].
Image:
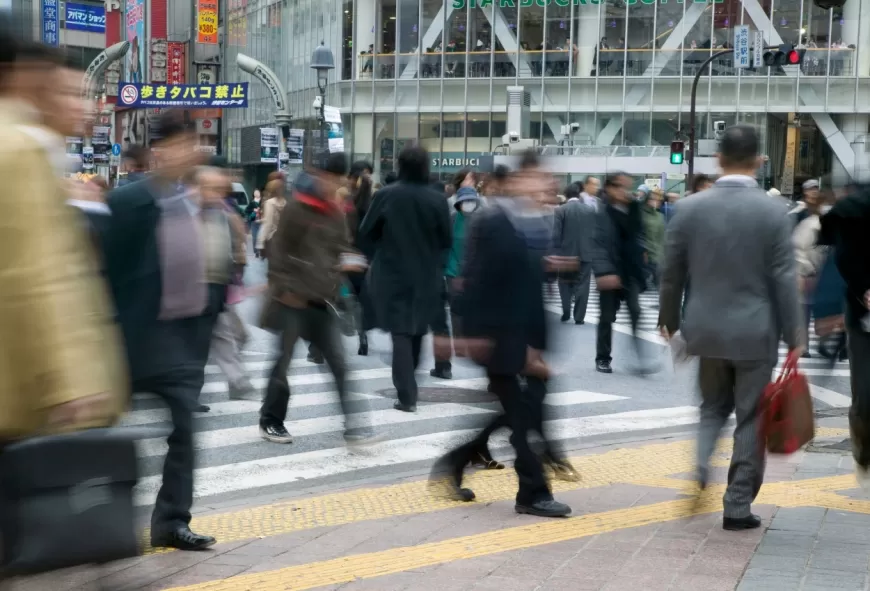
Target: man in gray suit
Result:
[574, 236]
[735, 244]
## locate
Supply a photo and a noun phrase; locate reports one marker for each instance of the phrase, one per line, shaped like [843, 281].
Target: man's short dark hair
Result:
[139, 155]
[572, 190]
[171, 124]
[500, 173]
[530, 159]
[390, 178]
[614, 179]
[334, 163]
[699, 181]
[414, 164]
[739, 146]
[359, 167]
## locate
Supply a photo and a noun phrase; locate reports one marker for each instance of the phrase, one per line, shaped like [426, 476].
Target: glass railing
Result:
[607, 63]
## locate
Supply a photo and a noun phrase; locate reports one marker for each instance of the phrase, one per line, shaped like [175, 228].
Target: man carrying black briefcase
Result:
[61, 370]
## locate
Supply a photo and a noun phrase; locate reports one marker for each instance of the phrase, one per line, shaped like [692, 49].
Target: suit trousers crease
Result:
[609, 302]
[406, 358]
[726, 387]
[521, 413]
[576, 288]
[317, 326]
[179, 389]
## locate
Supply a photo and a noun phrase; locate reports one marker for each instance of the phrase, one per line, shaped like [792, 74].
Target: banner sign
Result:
[183, 95]
[85, 17]
[50, 23]
[269, 145]
[207, 22]
[175, 68]
[134, 16]
[295, 146]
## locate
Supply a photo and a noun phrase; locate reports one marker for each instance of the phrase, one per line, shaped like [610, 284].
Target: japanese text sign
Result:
[50, 22]
[85, 17]
[175, 63]
[226, 96]
[207, 22]
[741, 46]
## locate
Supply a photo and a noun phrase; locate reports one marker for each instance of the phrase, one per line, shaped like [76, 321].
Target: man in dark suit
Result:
[507, 335]
[574, 236]
[167, 317]
[408, 225]
[735, 244]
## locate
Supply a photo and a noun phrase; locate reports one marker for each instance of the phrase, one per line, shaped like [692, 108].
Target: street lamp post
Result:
[322, 61]
[692, 142]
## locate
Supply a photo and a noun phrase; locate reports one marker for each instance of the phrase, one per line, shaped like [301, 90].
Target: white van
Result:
[240, 194]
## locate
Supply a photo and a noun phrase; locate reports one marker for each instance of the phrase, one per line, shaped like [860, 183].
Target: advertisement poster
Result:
[74, 149]
[207, 22]
[295, 146]
[269, 145]
[102, 145]
[134, 20]
[227, 96]
[175, 67]
[335, 130]
[50, 22]
[88, 158]
[85, 17]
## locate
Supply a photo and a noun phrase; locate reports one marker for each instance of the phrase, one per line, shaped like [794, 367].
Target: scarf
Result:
[182, 261]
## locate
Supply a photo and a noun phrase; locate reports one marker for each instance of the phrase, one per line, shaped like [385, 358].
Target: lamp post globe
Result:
[322, 61]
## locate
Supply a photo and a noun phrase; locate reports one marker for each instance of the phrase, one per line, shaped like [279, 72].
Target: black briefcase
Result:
[67, 500]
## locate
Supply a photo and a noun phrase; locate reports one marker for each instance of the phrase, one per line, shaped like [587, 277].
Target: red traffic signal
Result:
[793, 57]
[784, 55]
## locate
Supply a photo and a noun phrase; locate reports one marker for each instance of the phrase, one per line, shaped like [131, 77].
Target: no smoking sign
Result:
[129, 94]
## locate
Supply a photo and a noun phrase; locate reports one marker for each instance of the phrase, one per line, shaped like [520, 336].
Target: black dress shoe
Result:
[603, 367]
[579, 322]
[442, 373]
[202, 408]
[549, 508]
[405, 407]
[566, 317]
[184, 539]
[741, 523]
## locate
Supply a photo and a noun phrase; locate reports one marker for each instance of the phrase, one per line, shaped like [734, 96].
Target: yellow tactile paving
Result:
[413, 498]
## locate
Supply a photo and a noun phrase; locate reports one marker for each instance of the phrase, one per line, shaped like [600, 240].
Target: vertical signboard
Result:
[269, 145]
[207, 22]
[758, 50]
[50, 22]
[741, 47]
[176, 66]
[791, 140]
[134, 21]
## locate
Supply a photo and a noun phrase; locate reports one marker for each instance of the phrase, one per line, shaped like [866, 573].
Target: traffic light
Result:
[677, 149]
[784, 55]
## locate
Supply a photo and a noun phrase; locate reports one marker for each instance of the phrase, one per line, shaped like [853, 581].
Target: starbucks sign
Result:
[460, 4]
[442, 163]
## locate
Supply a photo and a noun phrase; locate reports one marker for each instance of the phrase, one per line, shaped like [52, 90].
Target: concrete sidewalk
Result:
[633, 529]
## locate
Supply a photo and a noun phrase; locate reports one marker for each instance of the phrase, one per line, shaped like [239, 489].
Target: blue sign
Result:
[116, 149]
[85, 17]
[224, 96]
[50, 22]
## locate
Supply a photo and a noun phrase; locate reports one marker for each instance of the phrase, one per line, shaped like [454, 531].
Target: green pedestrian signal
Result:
[677, 149]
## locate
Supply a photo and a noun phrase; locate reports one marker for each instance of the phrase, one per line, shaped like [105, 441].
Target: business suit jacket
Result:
[500, 263]
[735, 244]
[574, 230]
[58, 341]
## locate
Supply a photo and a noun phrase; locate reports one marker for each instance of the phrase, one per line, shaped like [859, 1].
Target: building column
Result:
[856, 129]
[364, 33]
[856, 31]
[588, 34]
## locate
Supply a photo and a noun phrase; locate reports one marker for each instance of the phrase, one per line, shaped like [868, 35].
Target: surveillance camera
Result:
[719, 126]
[514, 137]
[318, 102]
[575, 127]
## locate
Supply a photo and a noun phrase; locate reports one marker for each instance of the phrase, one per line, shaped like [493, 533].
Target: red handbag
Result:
[787, 421]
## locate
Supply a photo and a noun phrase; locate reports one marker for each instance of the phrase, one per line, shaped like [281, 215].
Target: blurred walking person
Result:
[360, 201]
[272, 206]
[308, 254]
[574, 236]
[408, 224]
[165, 272]
[508, 335]
[735, 244]
[617, 262]
[653, 235]
[254, 217]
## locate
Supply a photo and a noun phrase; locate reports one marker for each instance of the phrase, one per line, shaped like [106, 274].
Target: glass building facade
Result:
[437, 71]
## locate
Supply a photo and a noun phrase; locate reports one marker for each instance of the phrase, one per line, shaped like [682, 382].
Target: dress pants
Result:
[406, 357]
[179, 387]
[576, 287]
[520, 415]
[609, 302]
[318, 326]
[859, 410]
[228, 340]
[726, 387]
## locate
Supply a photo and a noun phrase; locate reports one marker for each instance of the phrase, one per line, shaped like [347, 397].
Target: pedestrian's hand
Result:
[292, 300]
[535, 365]
[352, 268]
[666, 334]
[77, 412]
[457, 283]
[796, 352]
[867, 299]
[608, 282]
[561, 263]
